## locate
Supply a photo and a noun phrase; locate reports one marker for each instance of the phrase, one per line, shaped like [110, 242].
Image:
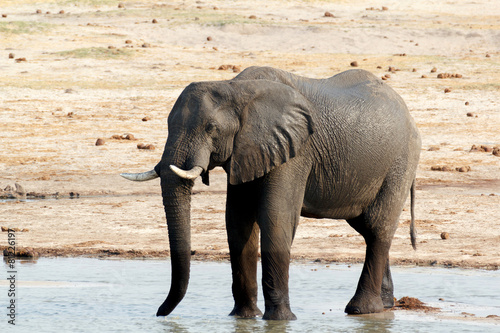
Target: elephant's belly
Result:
[333, 212]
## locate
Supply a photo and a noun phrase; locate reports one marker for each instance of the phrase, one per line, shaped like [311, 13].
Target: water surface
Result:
[92, 295]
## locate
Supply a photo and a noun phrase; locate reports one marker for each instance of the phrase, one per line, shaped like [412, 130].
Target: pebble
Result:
[145, 147]
[100, 142]
[445, 235]
[448, 76]
[234, 68]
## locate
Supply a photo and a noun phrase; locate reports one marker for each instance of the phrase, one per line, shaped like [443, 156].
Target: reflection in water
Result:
[87, 295]
[375, 322]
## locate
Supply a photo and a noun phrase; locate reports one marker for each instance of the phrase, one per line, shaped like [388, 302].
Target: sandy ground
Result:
[97, 70]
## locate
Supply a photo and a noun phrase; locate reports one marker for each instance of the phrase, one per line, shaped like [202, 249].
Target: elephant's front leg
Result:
[275, 267]
[279, 211]
[243, 238]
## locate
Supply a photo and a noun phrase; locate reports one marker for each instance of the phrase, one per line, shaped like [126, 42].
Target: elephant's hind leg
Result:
[369, 297]
[243, 238]
[377, 225]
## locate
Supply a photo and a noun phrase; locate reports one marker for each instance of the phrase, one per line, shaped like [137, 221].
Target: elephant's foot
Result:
[279, 312]
[365, 304]
[251, 311]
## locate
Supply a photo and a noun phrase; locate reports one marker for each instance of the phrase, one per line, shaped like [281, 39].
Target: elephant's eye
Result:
[210, 128]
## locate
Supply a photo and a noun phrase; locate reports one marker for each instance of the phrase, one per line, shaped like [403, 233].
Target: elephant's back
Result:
[360, 86]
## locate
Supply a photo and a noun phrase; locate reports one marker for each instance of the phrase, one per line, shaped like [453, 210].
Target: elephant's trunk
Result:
[176, 194]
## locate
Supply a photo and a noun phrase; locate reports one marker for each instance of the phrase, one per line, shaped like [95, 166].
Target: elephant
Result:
[344, 147]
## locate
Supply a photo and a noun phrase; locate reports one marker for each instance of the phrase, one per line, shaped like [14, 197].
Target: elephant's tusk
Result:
[194, 173]
[140, 177]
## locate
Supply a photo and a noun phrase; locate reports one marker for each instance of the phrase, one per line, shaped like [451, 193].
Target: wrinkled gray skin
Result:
[344, 147]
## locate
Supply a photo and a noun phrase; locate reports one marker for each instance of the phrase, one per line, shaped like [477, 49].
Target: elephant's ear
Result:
[275, 123]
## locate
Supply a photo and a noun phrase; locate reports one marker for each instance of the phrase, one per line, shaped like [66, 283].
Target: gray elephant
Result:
[344, 147]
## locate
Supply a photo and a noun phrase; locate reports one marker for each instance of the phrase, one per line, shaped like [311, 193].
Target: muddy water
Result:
[90, 295]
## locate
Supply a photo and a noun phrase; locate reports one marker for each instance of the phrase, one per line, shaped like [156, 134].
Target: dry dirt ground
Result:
[76, 71]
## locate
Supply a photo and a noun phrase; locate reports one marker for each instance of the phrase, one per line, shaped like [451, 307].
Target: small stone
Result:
[99, 142]
[252, 17]
[21, 59]
[128, 41]
[447, 90]
[145, 119]
[209, 38]
[12, 55]
[464, 169]
[354, 64]
[155, 21]
[466, 103]
[424, 76]
[434, 70]
[19, 191]
[486, 149]
[4, 15]
[328, 14]
[445, 235]
[471, 114]
[145, 146]
[121, 5]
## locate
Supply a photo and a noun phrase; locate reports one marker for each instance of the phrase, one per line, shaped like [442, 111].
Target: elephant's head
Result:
[247, 127]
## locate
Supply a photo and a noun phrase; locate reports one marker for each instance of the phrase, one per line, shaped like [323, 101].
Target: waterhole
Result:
[93, 295]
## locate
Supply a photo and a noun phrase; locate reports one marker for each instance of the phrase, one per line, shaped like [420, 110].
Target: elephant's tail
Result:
[413, 230]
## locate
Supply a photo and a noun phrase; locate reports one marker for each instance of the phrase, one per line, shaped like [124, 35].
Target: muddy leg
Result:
[368, 296]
